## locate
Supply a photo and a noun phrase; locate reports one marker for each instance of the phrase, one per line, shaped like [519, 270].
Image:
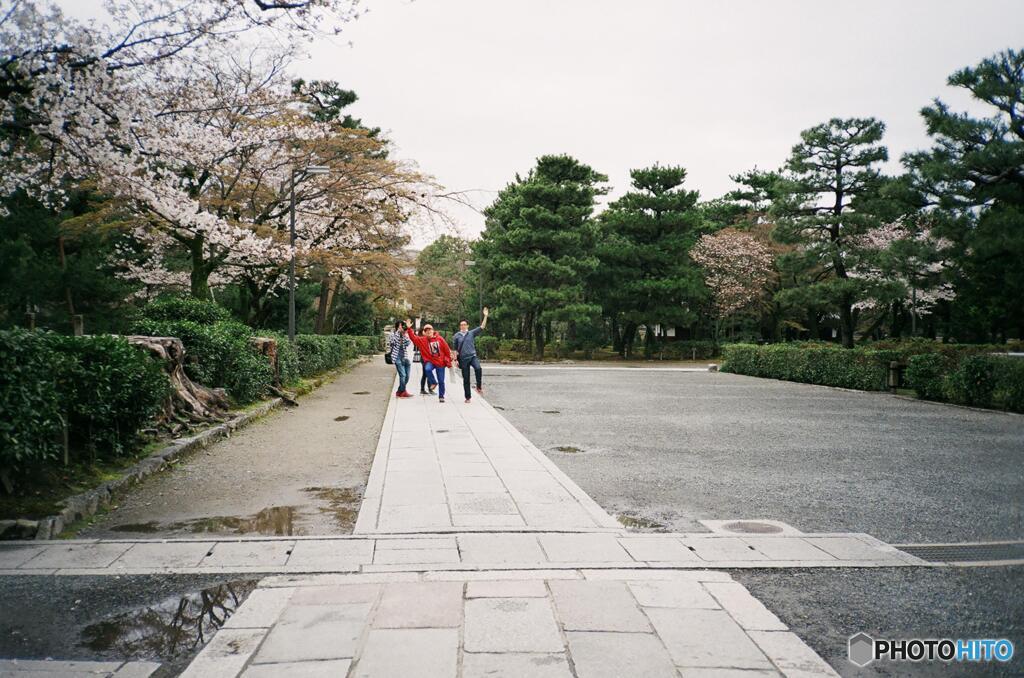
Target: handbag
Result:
[387, 358]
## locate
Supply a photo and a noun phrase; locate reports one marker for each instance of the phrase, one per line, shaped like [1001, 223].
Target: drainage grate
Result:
[965, 553]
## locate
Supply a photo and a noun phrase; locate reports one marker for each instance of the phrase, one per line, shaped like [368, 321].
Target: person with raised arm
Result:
[434, 353]
[464, 342]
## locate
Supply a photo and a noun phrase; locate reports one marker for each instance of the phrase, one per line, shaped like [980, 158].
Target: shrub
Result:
[218, 354]
[825, 365]
[28, 399]
[926, 374]
[974, 381]
[287, 358]
[1010, 383]
[689, 349]
[110, 389]
[185, 308]
[487, 346]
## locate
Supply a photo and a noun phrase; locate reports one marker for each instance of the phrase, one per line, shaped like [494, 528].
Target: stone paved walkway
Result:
[474, 555]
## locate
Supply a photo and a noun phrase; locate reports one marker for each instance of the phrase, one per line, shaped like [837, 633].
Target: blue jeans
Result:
[426, 378]
[402, 366]
[466, 364]
[436, 373]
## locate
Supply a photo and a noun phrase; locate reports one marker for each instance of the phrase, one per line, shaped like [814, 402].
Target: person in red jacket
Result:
[434, 353]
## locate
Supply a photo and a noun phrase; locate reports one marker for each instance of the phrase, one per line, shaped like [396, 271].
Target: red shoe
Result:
[404, 394]
[480, 390]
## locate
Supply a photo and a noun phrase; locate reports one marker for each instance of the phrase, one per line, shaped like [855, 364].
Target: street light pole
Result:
[311, 169]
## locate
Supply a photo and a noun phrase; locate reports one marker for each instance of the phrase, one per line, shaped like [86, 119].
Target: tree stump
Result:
[194, 402]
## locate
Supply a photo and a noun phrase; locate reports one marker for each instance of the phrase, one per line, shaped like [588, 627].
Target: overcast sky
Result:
[475, 90]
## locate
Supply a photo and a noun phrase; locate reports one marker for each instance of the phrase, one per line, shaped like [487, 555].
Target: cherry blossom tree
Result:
[737, 268]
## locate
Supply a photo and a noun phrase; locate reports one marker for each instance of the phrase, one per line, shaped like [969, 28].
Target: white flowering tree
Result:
[738, 269]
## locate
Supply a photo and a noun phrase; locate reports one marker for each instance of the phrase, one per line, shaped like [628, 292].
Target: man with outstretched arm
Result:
[464, 342]
[434, 353]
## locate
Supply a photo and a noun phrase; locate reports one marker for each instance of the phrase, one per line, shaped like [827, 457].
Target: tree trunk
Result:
[846, 322]
[188, 400]
[628, 335]
[64, 270]
[199, 277]
[616, 336]
[538, 336]
[326, 296]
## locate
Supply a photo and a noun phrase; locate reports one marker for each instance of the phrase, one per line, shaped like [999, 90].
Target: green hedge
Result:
[966, 374]
[104, 388]
[969, 379]
[824, 364]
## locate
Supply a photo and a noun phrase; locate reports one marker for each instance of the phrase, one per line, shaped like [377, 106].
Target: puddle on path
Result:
[342, 504]
[343, 417]
[360, 393]
[568, 449]
[276, 520]
[151, 526]
[441, 430]
[175, 627]
[551, 411]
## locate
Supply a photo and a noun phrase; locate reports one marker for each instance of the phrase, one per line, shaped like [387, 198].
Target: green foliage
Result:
[1009, 389]
[185, 308]
[110, 389]
[218, 354]
[487, 347]
[29, 400]
[973, 381]
[538, 245]
[646, 276]
[688, 350]
[318, 353]
[926, 374]
[809, 363]
[104, 388]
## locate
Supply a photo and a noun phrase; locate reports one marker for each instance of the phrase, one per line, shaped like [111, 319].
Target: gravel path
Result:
[297, 471]
[676, 447]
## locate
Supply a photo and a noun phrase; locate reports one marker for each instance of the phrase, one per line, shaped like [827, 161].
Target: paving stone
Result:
[515, 665]
[787, 548]
[510, 625]
[420, 605]
[476, 469]
[792, 655]
[137, 670]
[424, 653]
[500, 548]
[506, 589]
[432, 493]
[16, 556]
[727, 673]
[744, 608]
[415, 556]
[459, 484]
[485, 520]
[334, 553]
[336, 594]
[398, 518]
[164, 555]
[416, 543]
[260, 610]
[681, 594]
[225, 655]
[499, 575]
[77, 556]
[847, 548]
[657, 549]
[414, 464]
[613, 655]
[332, 668]
[583, 548]
[597, 606]
[654, 574]
[699, 638]
[307, 632]
[722, 548]
[49, 667]
[560, 515]
[487, 503]
[231, 554]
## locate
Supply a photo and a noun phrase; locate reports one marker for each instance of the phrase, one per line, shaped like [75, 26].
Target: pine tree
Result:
[538, 245]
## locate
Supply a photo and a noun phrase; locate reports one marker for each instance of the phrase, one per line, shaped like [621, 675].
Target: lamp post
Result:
[295, 175]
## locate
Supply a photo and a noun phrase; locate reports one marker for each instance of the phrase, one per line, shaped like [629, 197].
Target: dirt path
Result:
[297, 471]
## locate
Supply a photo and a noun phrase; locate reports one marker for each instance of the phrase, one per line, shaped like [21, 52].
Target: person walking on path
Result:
[427, 379]
[398, 347]
[464, 342]
[434, 353]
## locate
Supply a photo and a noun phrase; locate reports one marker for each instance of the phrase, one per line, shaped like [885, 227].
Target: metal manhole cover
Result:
[752, 527]
[965, 553]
